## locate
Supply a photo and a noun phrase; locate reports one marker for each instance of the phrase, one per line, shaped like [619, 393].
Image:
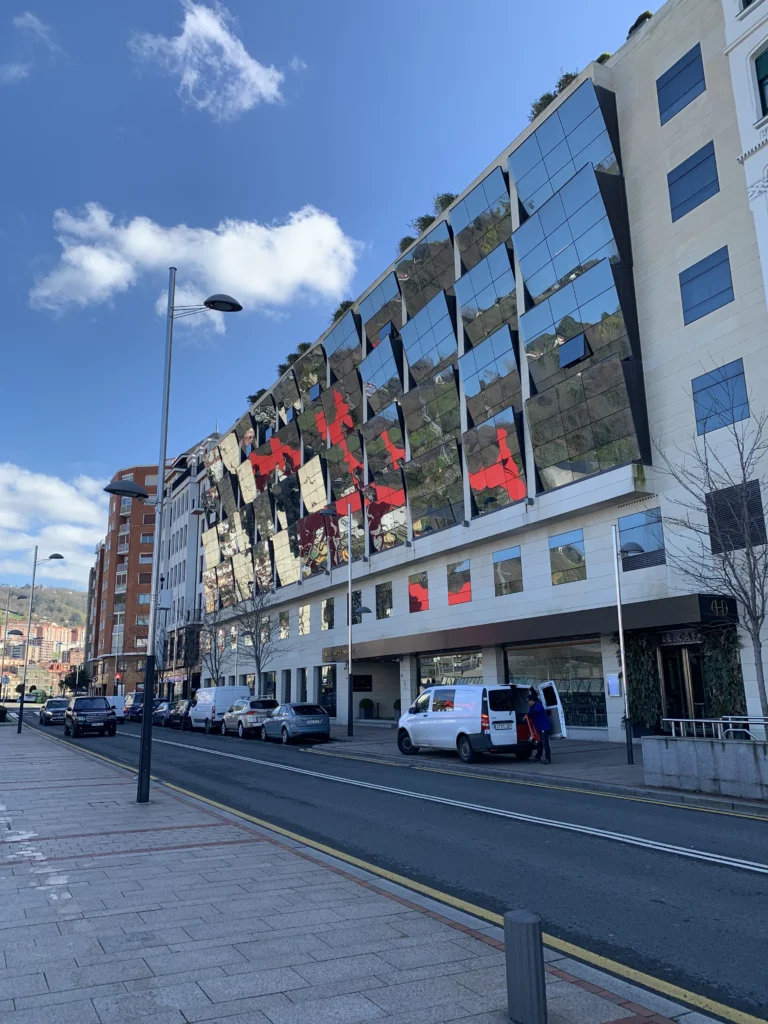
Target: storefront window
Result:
[445, 669]
[576, 670]
[327, 696]
[268, 684]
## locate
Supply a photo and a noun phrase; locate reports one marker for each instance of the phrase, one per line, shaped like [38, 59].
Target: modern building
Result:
[181, 570]
[119, 590]
[498, 399]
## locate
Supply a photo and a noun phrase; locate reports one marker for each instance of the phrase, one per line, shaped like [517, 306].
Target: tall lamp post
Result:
[19, 597]
[35, 562]
[631, 548]
[331, 513]
[128, 489]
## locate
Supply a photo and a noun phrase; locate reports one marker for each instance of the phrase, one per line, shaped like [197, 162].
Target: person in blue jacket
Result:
[538, 715]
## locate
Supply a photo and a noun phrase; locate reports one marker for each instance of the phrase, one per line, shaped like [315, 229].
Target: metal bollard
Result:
[526, 991]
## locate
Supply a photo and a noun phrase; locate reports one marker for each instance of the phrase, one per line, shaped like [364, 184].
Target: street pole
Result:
[624, 680]
[5, 641]
[26, 645]
[350, 724]
[145, 749]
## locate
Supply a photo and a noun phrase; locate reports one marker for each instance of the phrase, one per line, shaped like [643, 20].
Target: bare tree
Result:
[258, 630]
[213, 653]
[718, 536]
[190, 649]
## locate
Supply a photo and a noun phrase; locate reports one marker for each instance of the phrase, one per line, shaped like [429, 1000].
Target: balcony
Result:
[125, 506]
[124, 530]
[120, 588]
[122, 549]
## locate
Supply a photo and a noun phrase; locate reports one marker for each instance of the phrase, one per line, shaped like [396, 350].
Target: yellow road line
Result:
[666, 988]
[535, 785]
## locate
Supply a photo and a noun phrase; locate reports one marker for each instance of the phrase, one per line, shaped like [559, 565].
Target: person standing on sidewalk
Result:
[540, 719]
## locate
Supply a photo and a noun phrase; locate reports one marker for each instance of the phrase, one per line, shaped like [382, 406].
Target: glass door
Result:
[682, 682]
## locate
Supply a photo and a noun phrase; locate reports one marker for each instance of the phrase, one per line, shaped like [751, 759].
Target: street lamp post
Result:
[128, 489]
[19, 597]
[35, 563]
[631, 548]
[332, 513]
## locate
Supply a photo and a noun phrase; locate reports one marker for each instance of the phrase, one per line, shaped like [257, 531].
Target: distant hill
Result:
[52, 604]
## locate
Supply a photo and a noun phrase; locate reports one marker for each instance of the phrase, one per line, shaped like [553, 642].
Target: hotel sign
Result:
[333, 654]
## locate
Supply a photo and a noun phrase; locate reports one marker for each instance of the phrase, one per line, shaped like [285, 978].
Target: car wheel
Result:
[464, 747]
[264, 736]
[112, 730]
[405, 744]
[223, 729]
[523, 755]
[207, 726]
[240, 730]
[285, 735]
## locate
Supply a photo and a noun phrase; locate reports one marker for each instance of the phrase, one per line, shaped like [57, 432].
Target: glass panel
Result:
[314, 428]
[459, 582]
[229, 446]
[343, 345]
[327, 614]
[286, 396]
[449, 668]
[495, 463]
[327, 695]
[720, 397]
[429, 261]
[418, 592]
[481, 220]
[312, 480]
[681, 84]
[576, 670]
[312, 532]
[342, 405]
[383, 600]
[382, 306]
[641, 540]
[345, 465]
[566, 557]
[487, 297]
[507, 572]
[435, 490]
[310, 370]
[431, 412]
[386, 511]
[380, 375]
[286, 547]
[384, 440]
[429, 339]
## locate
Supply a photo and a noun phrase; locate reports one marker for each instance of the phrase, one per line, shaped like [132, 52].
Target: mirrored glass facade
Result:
[382, 306]
[312, 480]
[384, 440]
[495, 463]
[459, 582]
[487, 297]
[286, 396]
[573, 135]
[435, 489]
[343, 346]
[490, 377]
[286, 548]
[481, 221]
[380, 373]
[345, 465]
[314, 427]
[310, 371]
[566, 557]
[229, 447]
[427, 269]
[418, 592]
[386, 511]
[343, 406]
[429, 339]
[507, 571]
[312, 532]
[431, 412]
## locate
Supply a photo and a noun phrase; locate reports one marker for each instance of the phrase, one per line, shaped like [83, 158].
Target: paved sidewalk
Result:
[173, 912]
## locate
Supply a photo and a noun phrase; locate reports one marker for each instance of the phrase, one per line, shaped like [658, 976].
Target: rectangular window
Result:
[327, 695]
[566, 557]
[693, 181]
[641, 540]
[383, 600]
[149, 519]
[145, 559]
[303, 620]
[140, 643]
[418, 592]
[761, 70]
[357, 604]
[143, 599]
[736, 519]
[150, 480]
[459, 582]
[576, 670]
[507, 571]
[706, 286]
[720, 397]
[443, 700]
[326, 614]
[127, 476]
[144, 578]
[142, 620]
[362, 684]
[285, 625]
[681, 85]
[147, 538]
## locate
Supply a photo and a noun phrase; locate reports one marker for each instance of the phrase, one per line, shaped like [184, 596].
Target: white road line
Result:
[530, 819]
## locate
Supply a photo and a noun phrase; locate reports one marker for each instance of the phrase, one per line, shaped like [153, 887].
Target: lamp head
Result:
[54, 556]
[221, 303]
[14, 632]
[127, 489]
[632, 548]
[363, 611]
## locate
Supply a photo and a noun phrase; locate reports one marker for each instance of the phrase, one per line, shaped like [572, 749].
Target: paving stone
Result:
[83, 977]
[173, 963]
[238, 1008]
[257, 983]
[134, 1006]
[68, 995]
[418, 994]
[22, 985]
[79, 1011]
[342, 968]
[344, 1009]
[576, 1004]
[334, 988]
[420, 956]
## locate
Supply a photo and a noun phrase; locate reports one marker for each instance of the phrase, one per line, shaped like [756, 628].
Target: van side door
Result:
[418, 720]
[550, 698]
[443, 720]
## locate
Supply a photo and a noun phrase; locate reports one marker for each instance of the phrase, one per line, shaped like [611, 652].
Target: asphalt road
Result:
[678, 893]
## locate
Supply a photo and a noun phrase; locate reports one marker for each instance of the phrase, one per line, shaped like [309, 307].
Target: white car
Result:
[473, 719]
[246, 715]
[210, 704]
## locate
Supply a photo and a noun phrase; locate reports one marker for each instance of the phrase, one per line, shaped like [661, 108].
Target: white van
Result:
[118, 703]
[473, 719]
[211, 702]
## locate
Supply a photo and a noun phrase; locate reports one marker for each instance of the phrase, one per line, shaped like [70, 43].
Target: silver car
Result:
[246, 716]
[52, 712]
[297, 721]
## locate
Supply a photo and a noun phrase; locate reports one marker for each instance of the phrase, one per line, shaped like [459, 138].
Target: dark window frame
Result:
[761, 74]
[723, 379]
[693, 171]
[743, 505]
[699, 275]
[670, 99]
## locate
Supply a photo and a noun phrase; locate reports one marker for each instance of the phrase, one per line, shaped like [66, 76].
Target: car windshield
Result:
[91, 703]
[134, 698]
[57, 703]
[308, 709]
[263, 705]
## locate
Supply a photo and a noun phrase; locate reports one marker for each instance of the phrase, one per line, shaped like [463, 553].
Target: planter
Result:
[366, 708]
[736, 768]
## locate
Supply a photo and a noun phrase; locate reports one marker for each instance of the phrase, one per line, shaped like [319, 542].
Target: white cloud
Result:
[216, 73]
[29, 22]
[297, 64]
[67, 517]
[13, 72]
[262, 265]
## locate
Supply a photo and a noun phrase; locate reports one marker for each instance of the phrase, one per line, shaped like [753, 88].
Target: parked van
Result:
[118, 703]
[210, 703]
[474, 720]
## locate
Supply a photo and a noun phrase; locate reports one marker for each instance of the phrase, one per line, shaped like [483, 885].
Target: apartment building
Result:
[119, 590]
[181, 570]
[497, 400]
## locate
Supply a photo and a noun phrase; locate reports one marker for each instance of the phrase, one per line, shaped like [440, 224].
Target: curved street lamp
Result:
[218, 303]
[36, 561]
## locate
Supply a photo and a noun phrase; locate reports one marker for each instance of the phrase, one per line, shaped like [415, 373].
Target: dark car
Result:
[90, 714]
[134, 709]
[160, 713]
[52, 712]
[297, 721]
[178, 715]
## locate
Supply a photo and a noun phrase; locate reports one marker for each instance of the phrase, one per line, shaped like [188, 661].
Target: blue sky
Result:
[273, 150]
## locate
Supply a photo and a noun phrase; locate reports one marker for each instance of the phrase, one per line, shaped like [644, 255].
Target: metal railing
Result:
[729, 727]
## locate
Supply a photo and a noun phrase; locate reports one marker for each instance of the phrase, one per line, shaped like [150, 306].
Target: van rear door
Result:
[502, 715]
[550, 698]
